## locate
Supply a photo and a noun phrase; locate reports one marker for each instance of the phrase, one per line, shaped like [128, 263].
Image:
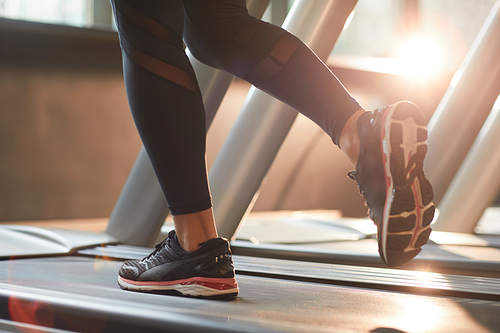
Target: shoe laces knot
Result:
[158, 247]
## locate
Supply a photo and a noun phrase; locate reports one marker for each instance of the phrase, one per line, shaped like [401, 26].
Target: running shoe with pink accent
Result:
[206, 272]
[391, 177]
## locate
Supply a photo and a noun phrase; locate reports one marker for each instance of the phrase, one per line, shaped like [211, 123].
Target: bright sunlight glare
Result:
[420, 57]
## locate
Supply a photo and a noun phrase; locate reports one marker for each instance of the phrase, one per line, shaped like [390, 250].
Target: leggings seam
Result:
[170, 42]
[137, 64]
[274, 60]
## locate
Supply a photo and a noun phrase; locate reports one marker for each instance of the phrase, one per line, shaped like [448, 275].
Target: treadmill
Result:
[57, 280]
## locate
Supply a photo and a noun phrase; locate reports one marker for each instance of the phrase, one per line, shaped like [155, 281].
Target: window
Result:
[383, 28]
[79, 13]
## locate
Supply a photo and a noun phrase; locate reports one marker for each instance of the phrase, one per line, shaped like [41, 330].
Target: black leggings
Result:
[165, 98]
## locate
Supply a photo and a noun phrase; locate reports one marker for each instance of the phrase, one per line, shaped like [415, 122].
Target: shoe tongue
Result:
[173, 236]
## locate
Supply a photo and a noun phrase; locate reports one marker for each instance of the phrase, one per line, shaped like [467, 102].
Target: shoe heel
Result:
[405, 109]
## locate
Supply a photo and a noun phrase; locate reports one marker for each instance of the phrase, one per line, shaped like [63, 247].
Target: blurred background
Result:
[68, 142]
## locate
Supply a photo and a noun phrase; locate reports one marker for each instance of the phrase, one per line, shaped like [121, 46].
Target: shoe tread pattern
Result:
[411, 209]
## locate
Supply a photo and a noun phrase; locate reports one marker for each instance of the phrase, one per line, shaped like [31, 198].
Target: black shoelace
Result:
[157, 249]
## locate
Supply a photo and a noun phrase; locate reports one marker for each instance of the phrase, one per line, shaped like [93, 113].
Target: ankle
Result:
[190, 244]
[194, 229]
[349, 138]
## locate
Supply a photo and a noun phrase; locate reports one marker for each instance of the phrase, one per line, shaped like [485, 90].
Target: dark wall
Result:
[67, 140]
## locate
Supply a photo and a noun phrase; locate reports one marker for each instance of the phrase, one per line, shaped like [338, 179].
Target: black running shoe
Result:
[206, 272]
[391, 177]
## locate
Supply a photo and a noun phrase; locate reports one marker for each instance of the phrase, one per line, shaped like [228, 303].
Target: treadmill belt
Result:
[359, 276]
[87, 287]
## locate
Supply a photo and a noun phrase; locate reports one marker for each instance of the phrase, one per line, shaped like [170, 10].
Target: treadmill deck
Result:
[87, 286]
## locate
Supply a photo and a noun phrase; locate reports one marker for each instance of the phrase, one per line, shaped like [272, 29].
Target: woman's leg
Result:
[349, 138]
[168, 111]
[387, 145]
[222, 34]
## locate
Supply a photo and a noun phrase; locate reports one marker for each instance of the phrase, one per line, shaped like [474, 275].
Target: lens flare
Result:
[32, 313]
[420, 57]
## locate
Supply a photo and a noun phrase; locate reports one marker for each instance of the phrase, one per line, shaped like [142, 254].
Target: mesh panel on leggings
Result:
[274, 62]
[162, 69]
[148, 62]
[150, 26]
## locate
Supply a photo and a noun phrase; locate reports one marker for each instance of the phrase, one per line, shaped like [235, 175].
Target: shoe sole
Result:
[196, 286]
[408, 209]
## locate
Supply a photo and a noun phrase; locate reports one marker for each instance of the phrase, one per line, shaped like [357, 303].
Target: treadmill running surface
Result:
[84, 289]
